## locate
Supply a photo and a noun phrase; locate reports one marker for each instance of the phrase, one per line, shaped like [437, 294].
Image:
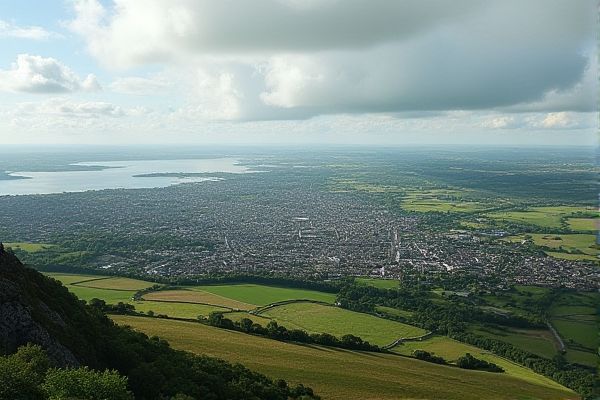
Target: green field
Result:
[261, 295]
[451, 350]
[29, 247]
[394, 312]
[118, 283]
[583, 224]
[537, 341]
[237, 316]
[379, 283]
[68, 279]
[317, 318]
[547, 217]
[440, 200]
[344, 374]
[574, 315]
[563, 245]
[197, 296]
[176, 310]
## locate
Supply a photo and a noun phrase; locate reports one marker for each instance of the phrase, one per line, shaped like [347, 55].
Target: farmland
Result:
[440, 200]
[198, 297]
[537, 341]
[29, 247]
[319, 318]
[575, 318]
[546, 217]
[451, 350]
[364, 375]
[261, 295]
[379, 283]
[572, 246]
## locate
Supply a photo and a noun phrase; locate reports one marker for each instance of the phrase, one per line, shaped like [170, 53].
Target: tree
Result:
[83, 383]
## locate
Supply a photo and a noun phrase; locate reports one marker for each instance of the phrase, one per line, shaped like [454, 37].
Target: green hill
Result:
[344, 374]
[39, 310]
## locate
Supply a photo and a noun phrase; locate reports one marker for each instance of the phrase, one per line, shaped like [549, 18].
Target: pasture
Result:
[317, 318]
[176, 310]
[575, 318]
[570, 246]
[117, 283]
[451, 350]
[583, 224]
[29, 247]
[536, 341]
[379, 283]
[344, 374]
[547, 217]
[261, 295]
[440, 200]
[197, 296]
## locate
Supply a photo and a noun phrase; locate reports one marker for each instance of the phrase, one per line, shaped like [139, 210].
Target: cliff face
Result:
[24, 316]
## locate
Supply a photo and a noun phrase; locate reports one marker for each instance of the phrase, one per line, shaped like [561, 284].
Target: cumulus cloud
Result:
[279, 59]
[71, 109]
[36, 74]
[10, 30]
[138, 85]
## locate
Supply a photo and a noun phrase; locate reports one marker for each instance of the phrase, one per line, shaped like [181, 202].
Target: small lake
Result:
[118, 175]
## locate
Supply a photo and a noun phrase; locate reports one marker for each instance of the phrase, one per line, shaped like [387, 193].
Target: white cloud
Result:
[36, 74]
[278, 59]
[62, 107]
[138, 85]
[10, 30]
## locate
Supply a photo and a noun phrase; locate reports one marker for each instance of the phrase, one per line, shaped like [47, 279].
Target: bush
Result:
[469, 362]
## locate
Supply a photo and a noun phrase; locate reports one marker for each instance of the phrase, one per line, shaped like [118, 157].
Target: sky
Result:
[110, 72]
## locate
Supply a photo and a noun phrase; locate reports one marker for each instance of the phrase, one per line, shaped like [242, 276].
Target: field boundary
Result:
[407, 339]
[260, 310]
[231, 309]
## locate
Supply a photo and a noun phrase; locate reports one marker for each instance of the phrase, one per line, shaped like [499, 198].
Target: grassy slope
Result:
[118, 283]
[574, 317]
[337, 321]
[261, 295]
[536, 341]
[343, 374]
[451, 350]
[197, 296]
[177, 310]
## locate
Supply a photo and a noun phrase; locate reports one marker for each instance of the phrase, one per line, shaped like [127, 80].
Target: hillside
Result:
[36, 309]
[344, 374]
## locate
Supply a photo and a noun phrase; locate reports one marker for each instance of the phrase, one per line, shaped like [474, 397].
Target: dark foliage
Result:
[274, 331]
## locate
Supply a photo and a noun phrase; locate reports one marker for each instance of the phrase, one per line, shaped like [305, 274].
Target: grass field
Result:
[197, 296]
[68, 279]
[379, 283]
[176, 310]
[29, 247]
[343, 374]
[578, 242]
[440, 200]
[238, 315]
[118, 283]
[451, 350]
[547, 217]
[317, 318]
[261, 295]
[583, 224]
[87, 287]
[394, 312]
[537, 341]
[575, 318]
